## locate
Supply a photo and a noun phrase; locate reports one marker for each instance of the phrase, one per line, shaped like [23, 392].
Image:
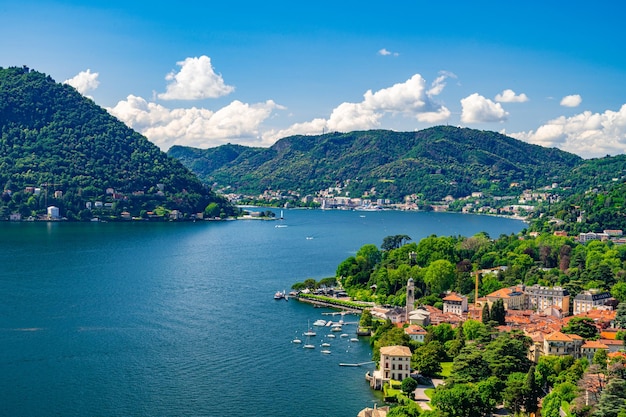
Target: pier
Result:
[356, 364]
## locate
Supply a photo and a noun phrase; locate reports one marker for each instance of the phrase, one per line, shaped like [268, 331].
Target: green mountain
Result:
[434, 162]
[59, 148]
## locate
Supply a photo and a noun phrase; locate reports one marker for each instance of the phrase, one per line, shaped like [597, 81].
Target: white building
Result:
[589, 300]
[455, 303]
[53, 212]
[395, 364]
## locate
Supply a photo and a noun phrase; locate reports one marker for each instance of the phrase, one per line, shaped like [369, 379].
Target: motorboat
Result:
[332, 336]
[325, 344]
[296, 341]
[319, 323]
[354, 339]
[279, 295]
[326, 352]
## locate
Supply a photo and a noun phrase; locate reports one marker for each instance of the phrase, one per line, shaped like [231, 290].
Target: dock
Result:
[356, 364]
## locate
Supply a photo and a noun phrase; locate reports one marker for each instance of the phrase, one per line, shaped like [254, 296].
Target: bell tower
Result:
[410, 298]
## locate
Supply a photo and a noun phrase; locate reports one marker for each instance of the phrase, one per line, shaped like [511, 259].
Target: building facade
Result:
[589, 300]
[540, 298]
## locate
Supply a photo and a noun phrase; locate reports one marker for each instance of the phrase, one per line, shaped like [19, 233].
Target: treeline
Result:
[438, 264]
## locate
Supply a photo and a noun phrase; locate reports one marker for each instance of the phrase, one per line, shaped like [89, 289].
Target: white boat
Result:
[325, 344]
[296, 341]
[326, 352]
[332, 336]
[308, 346]
[344, 334]
[319, 323]
[354, 339]
[279, 295]
[309, 332]
[336, 329]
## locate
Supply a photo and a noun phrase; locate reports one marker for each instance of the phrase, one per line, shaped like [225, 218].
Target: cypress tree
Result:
[486, 316]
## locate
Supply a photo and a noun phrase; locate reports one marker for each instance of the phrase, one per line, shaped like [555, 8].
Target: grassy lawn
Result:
[446, 369]
[429, 392]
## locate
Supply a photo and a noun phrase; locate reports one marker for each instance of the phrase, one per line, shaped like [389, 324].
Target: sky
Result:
[205, 73]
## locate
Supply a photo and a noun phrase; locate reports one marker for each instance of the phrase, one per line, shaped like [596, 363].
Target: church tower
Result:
[410, 298]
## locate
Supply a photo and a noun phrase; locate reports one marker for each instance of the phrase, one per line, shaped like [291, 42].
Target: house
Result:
[513, 298]
[395, 364]
[53, 212]
[416, 333]
[590, 347]
[561, 344]
[589, 300]
[15, 217]
[455, 303]
[540, 298]
[395, 314]
[126, 215]
[421, 317]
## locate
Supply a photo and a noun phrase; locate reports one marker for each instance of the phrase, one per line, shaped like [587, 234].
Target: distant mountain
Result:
[59, 148]
[434, 162]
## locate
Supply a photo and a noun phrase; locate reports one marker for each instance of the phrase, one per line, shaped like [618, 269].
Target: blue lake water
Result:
[145, 319]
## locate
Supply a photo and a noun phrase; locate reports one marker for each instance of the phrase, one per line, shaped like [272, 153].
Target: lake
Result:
[173, 319]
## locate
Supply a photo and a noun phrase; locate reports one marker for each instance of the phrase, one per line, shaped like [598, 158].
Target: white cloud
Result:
[196, 80]
[237, 122]
[409, 99]
[509, 96]
[478, 109]
[385, 52]
[84, 81]
[586, 134]
[571, 101]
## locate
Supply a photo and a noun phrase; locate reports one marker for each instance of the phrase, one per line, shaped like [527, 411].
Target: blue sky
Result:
[205, 73]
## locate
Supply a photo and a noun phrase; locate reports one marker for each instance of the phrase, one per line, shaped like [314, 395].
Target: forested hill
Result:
[59, 148]
[433, 162]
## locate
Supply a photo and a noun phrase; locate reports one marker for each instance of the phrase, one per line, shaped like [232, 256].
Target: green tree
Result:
[612, 400]
[427, 358]
[410, 409]
[394, 242]
[620, 316]
[458, 400]
[440, 276]
[600, 358]
[469, 366]
[619, 291]
[486, 314]
[532, 392]
[498, 313]
[513, 394]
[408, 386]
[366, 319]
[582, 326]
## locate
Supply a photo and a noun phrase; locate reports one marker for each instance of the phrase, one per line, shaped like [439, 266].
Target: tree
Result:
[612, 400]
[620, 316]
[532, 392]
[582, 326]
[410, 409]
[458, 400]
[619, 292]
[408, 386]
[469, 366]
[498, 313]
[394, 242]
[600, 358]
[513, 394]
[366, 318]
[486, 314]
[427, 358]
[440, 276]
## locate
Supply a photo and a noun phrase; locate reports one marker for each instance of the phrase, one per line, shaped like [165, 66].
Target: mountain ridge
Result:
[438, 161]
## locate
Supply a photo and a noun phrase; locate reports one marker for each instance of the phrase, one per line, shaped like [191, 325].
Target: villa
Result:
[395, 363]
